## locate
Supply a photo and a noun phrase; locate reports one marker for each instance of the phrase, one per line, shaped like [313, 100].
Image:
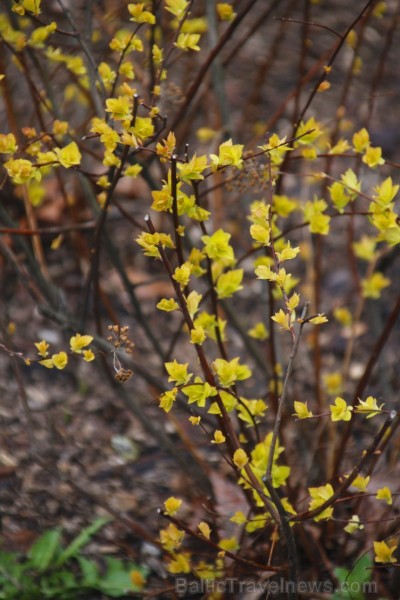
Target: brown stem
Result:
[363, 382]
[390, 422]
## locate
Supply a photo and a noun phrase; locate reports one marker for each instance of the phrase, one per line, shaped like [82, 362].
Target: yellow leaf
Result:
[178, 372]
[168, 305]
[302, 411]
[42, 348]
[88, 355]
[225, 11]
[385, 494]
[204, 529]
[361, 140]
[69, 155]
[197, 335]
[340, 411]
[374, 284]
[319, 319]
[60, 360]
[258, 332]
[383, 553]
[78, 342]
[353, 525]
[240, 458]
[373, 157]
[219, 437]
[361, 483]
[172, 505]
[369, 407]
[282, 319]
[56, 243]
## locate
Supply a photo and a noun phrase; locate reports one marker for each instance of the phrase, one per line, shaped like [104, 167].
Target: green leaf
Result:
[361, 573]
[90, 572]
[44, 550]
[60, 585]
[117, 579]
[82, 540]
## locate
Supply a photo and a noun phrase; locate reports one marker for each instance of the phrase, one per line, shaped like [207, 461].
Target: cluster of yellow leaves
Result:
[230, 155]
[369, 407]
[23, 170]
[258, 463]
[229, 372]
[78, 345]
[186, 204]
[344, 191]
[150, 242]
[319, 495]
[260, 230]
[372, 156]
[314, 215]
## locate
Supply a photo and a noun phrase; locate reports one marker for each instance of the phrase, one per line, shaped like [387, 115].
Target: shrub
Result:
[272, 225]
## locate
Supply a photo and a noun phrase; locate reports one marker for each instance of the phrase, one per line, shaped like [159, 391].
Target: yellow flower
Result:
[137, 579]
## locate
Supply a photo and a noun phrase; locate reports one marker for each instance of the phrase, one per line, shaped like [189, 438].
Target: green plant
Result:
[52, 571]
[250, 233]
[352, 581]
